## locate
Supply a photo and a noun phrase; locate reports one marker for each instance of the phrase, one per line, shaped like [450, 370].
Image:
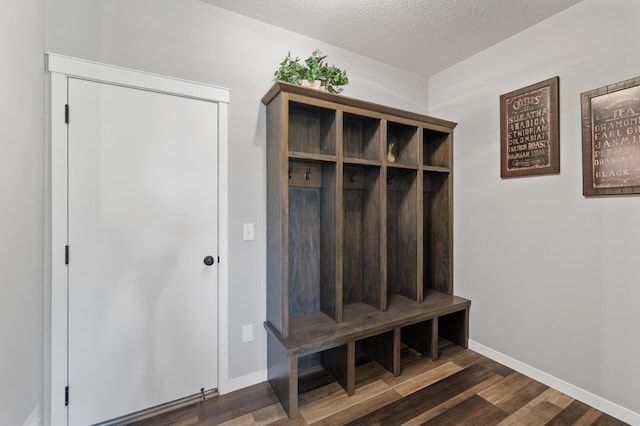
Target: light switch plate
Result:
[247, 232]
[247, 333]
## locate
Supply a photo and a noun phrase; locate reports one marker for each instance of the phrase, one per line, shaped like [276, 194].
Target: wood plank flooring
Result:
[461, 388]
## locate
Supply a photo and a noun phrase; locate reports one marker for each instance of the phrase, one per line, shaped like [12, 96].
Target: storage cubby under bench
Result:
[405, 321]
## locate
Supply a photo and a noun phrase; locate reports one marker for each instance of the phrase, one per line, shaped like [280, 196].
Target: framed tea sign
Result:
[611, 139]
[529, 134]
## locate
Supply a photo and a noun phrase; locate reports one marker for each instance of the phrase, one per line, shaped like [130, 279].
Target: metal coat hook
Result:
[290, 170]
[307, 173]
[352, 178]
[390, 178]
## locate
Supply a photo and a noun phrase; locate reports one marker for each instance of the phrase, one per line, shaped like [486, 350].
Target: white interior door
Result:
[142, 216]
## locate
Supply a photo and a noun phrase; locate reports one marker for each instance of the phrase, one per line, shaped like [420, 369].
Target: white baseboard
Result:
[246, 381]
[573, 391]
[34, 417]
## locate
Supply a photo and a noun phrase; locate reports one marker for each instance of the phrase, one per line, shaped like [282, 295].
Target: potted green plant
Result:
[313, 72]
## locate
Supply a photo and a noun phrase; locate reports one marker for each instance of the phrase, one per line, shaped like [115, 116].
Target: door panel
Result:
[142, 191]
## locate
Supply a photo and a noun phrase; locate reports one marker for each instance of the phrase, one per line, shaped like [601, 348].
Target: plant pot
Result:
[314, 84]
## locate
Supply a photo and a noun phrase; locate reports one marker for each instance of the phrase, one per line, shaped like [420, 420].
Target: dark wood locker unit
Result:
[359, 242]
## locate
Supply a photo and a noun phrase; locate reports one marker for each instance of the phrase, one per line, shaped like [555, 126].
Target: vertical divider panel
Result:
[277, 216]
[383, 290]
[283, 375]
[435, 350]
[419, 226]
[427, 237]
[408, 226]
[397, 361]
[337, 213]
[450, 217]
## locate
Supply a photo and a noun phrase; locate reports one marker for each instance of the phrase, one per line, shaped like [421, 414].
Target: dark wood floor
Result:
[461, 388]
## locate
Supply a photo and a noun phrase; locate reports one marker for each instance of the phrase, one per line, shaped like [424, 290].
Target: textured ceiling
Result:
[422, 36]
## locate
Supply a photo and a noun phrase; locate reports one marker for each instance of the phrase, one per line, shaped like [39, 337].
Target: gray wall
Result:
[553, 276]
[193, 40]
[21, 214]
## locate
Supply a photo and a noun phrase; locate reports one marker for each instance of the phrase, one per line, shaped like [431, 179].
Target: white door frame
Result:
[61, 68]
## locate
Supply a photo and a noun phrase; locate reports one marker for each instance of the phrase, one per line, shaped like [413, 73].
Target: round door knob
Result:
[209, 260]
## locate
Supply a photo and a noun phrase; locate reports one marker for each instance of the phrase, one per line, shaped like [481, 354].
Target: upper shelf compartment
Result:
[402, 142]
[312, 130]
[436, 153]
[361, 138]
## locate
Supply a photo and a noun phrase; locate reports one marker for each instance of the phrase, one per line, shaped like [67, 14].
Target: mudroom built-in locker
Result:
[359, 248]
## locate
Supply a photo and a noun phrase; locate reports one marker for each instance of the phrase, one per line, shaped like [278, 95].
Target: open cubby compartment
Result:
[404, 139]
[422, 337]
[362, 236]
[437, 233]
[383, 348]
[312, 129]
[309, 363]
[312, 238]
[455, 327]
[436, 151]
[337, 362]
[402, 233]
[361, 137]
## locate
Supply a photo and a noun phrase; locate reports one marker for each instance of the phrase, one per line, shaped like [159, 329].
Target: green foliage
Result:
[313, 68]
[291, 70]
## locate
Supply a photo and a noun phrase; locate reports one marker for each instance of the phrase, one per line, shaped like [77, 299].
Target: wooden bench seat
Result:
[381, 332]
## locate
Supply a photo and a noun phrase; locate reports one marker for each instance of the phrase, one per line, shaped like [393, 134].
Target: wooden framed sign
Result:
[611, 139]
[529, 133]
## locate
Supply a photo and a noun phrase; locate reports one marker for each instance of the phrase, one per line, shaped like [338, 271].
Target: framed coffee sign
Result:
[529, 133]
[611, 139]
